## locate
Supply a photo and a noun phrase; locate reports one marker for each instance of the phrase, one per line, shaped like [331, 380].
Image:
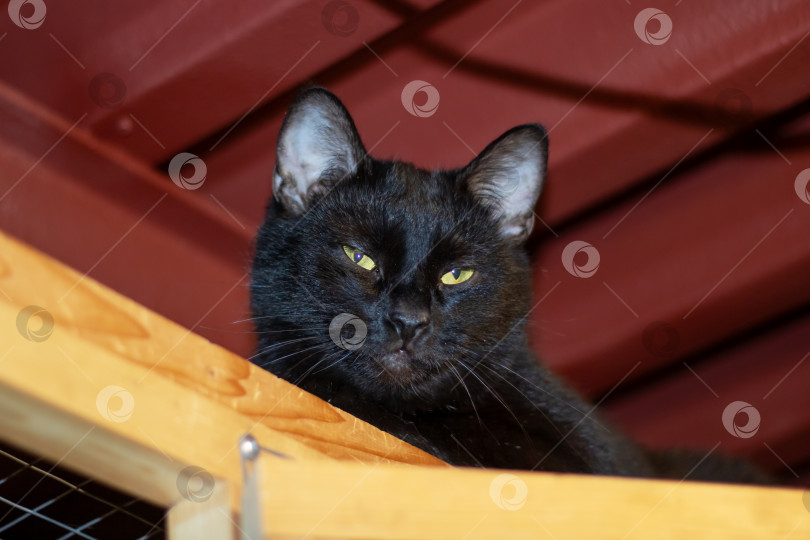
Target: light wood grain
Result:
[183, 400]
[324, 500]
[125, 396]
[193, 520]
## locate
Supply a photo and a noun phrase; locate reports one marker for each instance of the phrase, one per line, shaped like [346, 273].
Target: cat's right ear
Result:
[318, 146]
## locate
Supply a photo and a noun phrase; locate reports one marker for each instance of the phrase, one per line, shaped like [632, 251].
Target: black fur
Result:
[466, 388]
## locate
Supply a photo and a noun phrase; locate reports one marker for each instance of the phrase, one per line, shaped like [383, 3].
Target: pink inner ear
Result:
[317, 136]
[508, 176]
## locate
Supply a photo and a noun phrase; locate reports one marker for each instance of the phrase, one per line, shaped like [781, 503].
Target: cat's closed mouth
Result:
[397, 367]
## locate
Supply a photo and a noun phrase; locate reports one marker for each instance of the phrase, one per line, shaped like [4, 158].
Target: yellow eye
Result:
[454, 276]
[359, 258]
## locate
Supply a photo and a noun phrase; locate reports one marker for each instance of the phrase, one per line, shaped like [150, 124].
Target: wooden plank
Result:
[104, 361]
[328, 500]
[186, 68]
[208, 518]
[549, 62]
[771, 372]
[85, 446]
[92, 206]
[710, 254]
[145, 472]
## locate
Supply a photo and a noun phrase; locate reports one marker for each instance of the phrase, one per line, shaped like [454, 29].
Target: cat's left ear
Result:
[318, 146]
[508, 176]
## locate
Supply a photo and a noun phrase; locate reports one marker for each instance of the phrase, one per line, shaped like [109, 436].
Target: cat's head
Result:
[384, 277]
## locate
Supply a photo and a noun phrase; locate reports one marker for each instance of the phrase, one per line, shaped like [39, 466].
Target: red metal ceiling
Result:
[677, 162]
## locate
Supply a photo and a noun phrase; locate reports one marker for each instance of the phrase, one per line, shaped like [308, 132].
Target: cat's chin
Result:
[398, 368]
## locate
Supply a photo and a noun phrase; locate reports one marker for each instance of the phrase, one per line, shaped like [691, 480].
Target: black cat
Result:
[400, 295]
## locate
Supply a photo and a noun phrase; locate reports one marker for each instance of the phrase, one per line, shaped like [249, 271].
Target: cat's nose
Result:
[410, 323]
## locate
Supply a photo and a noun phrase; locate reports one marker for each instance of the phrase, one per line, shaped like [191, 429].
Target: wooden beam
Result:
[771, 371]
[606, 99]
[84, 445]
[330, 500]
[670, 256]
[94, 207]
[185, 69]
[208, 518]
[87, 362]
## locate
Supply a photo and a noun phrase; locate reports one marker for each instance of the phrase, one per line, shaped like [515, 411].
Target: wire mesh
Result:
[39, 499]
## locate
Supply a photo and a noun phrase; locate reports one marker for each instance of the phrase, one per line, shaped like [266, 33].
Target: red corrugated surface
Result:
[677, 162]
